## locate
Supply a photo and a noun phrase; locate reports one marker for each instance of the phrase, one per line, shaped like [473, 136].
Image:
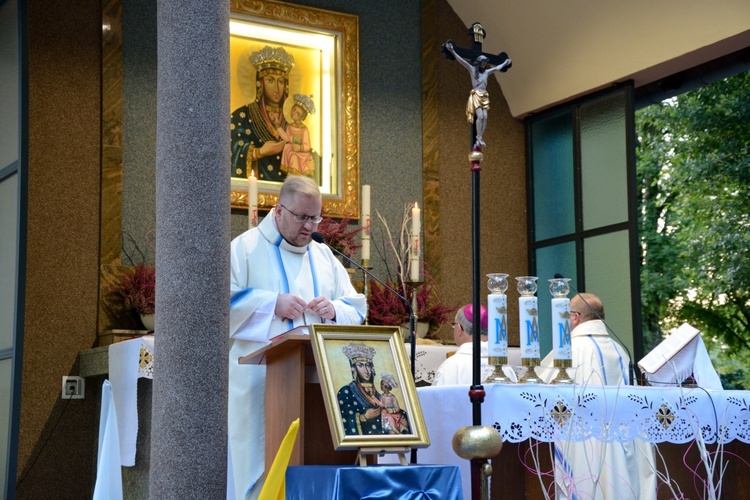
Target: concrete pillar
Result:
[189, 415]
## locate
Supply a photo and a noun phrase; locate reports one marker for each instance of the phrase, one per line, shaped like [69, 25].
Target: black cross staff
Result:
[477, 62]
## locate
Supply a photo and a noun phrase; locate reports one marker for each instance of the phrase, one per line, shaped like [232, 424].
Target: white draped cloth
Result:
[265, 265]
[693, 359]
[129, 361]
[108, 484]
[591, 468]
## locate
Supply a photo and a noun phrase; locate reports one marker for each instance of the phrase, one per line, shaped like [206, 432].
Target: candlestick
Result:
[416, 227]
[561, 347]
[528, 324]
[366, 225]
[366, 289]
[252, 200]
[497, 326]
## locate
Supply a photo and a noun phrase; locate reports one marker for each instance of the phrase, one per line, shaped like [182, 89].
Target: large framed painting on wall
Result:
[294, 94]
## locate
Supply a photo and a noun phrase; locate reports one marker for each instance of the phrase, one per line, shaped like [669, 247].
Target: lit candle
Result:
[561, 328]
[252, 201]
[416, 226]
[366, 225]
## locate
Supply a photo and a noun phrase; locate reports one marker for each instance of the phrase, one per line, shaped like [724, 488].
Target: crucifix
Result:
[480, 66]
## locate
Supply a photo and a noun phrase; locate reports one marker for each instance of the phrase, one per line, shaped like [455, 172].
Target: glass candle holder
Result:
[497, 326]
[561, 346]
[528, 324]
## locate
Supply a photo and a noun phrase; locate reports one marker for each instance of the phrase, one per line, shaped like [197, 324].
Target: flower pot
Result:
[148, 321]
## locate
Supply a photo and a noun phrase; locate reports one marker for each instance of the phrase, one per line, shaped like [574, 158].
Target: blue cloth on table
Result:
[403, 482]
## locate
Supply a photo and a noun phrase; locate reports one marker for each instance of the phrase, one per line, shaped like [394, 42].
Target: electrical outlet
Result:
[73, 387]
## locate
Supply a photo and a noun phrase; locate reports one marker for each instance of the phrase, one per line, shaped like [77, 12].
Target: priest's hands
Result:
[291, 306]
[322, 307]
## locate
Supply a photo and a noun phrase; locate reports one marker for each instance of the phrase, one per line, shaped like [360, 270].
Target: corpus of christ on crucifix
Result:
[480, 66]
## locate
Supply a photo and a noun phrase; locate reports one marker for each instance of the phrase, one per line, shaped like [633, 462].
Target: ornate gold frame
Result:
[341, 199]
[335, 373]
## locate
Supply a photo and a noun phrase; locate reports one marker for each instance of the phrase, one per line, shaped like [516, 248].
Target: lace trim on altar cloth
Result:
[653, 414]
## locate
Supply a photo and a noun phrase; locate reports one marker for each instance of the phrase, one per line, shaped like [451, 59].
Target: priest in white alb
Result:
[280, 279]
[593, 469]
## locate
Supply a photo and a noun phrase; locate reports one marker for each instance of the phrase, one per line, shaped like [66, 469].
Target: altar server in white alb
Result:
[594, 469]
[280, 279]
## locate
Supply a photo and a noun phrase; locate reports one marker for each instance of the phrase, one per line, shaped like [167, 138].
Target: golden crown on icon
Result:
[358, 351]
[272, 60]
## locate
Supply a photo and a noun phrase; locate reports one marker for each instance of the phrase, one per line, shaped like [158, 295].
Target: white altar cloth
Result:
[128, 361]
[558, 413]
[608, 413]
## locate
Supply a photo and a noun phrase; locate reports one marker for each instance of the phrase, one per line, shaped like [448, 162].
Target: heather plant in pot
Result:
[137, 288]
[385, 308]
[338, 235]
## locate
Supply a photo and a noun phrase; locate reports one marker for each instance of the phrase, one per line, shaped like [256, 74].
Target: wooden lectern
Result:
[293, 391]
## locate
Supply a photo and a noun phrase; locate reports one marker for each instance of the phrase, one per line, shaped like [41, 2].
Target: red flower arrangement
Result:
[385, 308]
[138, 289]
[339, 237]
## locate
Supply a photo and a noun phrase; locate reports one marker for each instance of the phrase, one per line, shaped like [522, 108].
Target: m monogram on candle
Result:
[497, 307]
[528, 324]
[560, 307]
[497, 327]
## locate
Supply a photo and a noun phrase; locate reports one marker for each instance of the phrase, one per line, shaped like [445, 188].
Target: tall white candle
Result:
[252, 201]
[416, 227]
[497, 324]
[561, 328]
[528, 326]
[366, 224]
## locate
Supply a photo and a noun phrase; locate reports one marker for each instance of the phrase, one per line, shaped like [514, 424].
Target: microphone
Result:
[316, 236]
[631, 369]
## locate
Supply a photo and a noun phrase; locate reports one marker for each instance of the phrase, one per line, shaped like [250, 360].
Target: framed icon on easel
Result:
[369, 392]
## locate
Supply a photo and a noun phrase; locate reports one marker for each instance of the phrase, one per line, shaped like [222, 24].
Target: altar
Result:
[528, 416]
[687, 425]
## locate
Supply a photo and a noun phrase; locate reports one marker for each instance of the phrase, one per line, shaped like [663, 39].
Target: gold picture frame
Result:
[399, 423]
[324, 47]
